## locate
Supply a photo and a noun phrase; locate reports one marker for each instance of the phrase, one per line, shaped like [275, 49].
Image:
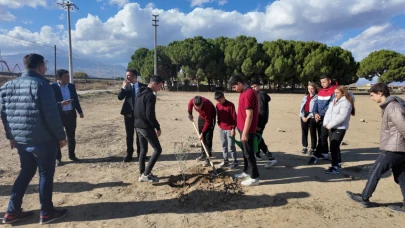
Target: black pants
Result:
[130, 130]
[386, 161]
[249, 160]
[69, 122]
[323, 134]
[262, 145]
[207, 136]
[148, 136]
[310, 126]
[336, 137]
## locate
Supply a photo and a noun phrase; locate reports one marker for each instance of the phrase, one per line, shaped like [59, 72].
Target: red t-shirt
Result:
[207, 112]
[306, 106]
[248, 100]
[226, 115]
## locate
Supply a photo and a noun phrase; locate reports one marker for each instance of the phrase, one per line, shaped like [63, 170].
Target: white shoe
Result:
[224, 163]
[270, 163]
[148, 178]
[241, 175]
[250, 182]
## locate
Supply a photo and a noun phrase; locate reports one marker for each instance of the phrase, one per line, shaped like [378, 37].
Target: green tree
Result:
[80, 75]
[138, 59]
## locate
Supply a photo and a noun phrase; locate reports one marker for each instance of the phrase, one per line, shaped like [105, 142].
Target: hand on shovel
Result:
[201, 137]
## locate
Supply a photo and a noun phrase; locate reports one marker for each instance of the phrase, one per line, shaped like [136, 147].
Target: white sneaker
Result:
[241, 175]
[270, 163]
[148, 178]
[224, 163]
[250, 182]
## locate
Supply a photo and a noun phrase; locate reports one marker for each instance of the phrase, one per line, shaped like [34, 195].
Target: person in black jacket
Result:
[264, 100]
[148, 128]
[68, 104]
[130, 88]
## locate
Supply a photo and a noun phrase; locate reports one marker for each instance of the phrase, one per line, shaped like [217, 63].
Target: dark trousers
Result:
[336, 137]
[249, 160]
[323, 134]
[207, 136]
[310, 126]
[69, 122]
[262, 145]
[32, 157]
[130, 131]
[386, 161]
[148, 136]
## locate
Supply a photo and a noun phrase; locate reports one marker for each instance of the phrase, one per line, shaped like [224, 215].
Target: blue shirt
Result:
[66, 96]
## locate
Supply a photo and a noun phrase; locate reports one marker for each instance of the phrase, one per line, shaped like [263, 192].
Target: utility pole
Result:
[54, 48]
[155, 21]
[69, 6]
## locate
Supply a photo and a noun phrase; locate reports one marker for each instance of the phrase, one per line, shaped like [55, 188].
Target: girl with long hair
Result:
[307, 117]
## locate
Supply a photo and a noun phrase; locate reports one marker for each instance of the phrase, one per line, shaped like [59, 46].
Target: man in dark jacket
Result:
[148, 128]
[392, 145]
[33, 126]
[68, 103]
[130, 88]
[263, 118]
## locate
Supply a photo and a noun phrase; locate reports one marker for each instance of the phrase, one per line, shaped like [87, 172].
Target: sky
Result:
[109, 31]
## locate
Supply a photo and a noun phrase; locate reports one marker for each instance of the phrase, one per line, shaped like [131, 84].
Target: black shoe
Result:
[313, 160]
[12, 218]
[304, 150]
[397, 208]
[127, 159]
[332, 170]
[75, 159]
[358, 198]
[324, 157]
[312, 151]
[57, 214]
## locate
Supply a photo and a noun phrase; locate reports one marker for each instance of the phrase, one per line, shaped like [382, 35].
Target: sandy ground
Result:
[102, 191]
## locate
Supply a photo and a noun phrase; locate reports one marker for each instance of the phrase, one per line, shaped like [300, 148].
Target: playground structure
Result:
[4, 63]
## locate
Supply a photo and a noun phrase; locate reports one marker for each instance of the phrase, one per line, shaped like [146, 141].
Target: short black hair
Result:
[256, 82]
[235, 79]
[197, 100]
[325, 76]
[33, 61]
[61, 72]
[133, 71]
[157, 79]
[380, 88]
[218, 95]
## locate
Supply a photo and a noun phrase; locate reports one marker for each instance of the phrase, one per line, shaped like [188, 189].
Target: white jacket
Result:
[338, 115]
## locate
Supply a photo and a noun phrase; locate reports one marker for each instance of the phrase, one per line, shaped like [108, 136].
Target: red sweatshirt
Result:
[226, 115]
[207, 112]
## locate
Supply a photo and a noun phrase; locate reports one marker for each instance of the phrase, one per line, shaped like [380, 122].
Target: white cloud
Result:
[120, 3]
[222, 2]
[22, 3]
[5, 15]
[62, 16]
[200, 3]
[376, 38]
[27, 22]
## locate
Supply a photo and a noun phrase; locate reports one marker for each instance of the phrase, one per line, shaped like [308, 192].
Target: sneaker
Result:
[241, 175]
[148, 178]
[75, 159]
[332, 170]
[234, 165]
[201, 158]
[224, 163]
[313, 160]
[270, 163]
[127, 159]
[57, 214]
[206, 163]
[304, 150]
[12, 218]
[358, 198]
[339, 166]
[250, 182]
[312, 151]
[324, 157]
[397, 208]
[258, 157]
[58, 162]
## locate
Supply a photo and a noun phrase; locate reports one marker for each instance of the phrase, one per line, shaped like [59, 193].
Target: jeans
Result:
[336, 137]
[226, 141]
[310, 126]
[69, 122]
[146, 136]
[130, 132]
[41, 156]
[386, 161]
[207, 136]
[323, 134]
[250, 165]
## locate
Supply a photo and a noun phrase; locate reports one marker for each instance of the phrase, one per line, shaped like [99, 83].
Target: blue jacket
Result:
[311, 105]
[28, 110]
[73, 95]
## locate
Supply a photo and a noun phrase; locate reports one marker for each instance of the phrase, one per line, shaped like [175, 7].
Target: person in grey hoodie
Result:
[392, 145]
[336, 120]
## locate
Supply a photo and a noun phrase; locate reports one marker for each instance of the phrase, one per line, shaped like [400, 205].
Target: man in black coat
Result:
[68, 104]
[130, 88]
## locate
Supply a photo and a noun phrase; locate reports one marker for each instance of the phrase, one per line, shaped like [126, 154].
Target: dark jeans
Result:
[386, 161]
[262, 145]
[310, 126]
[148, 136]
[69, 122]
[323, 134]
[32, 157]
[336, 137]
[207, 136]
[249, 160]
[130, 131]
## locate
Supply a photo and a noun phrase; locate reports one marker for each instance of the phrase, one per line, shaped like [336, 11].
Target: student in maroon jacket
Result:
[247, 119]
[206, 123]
[227, 123]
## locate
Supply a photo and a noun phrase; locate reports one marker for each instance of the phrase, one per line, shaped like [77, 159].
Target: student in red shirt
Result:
[247, 120]
[206, 123]
[227, 123]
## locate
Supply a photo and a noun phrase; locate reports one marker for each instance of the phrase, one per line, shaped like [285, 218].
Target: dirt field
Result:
[102, 191]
